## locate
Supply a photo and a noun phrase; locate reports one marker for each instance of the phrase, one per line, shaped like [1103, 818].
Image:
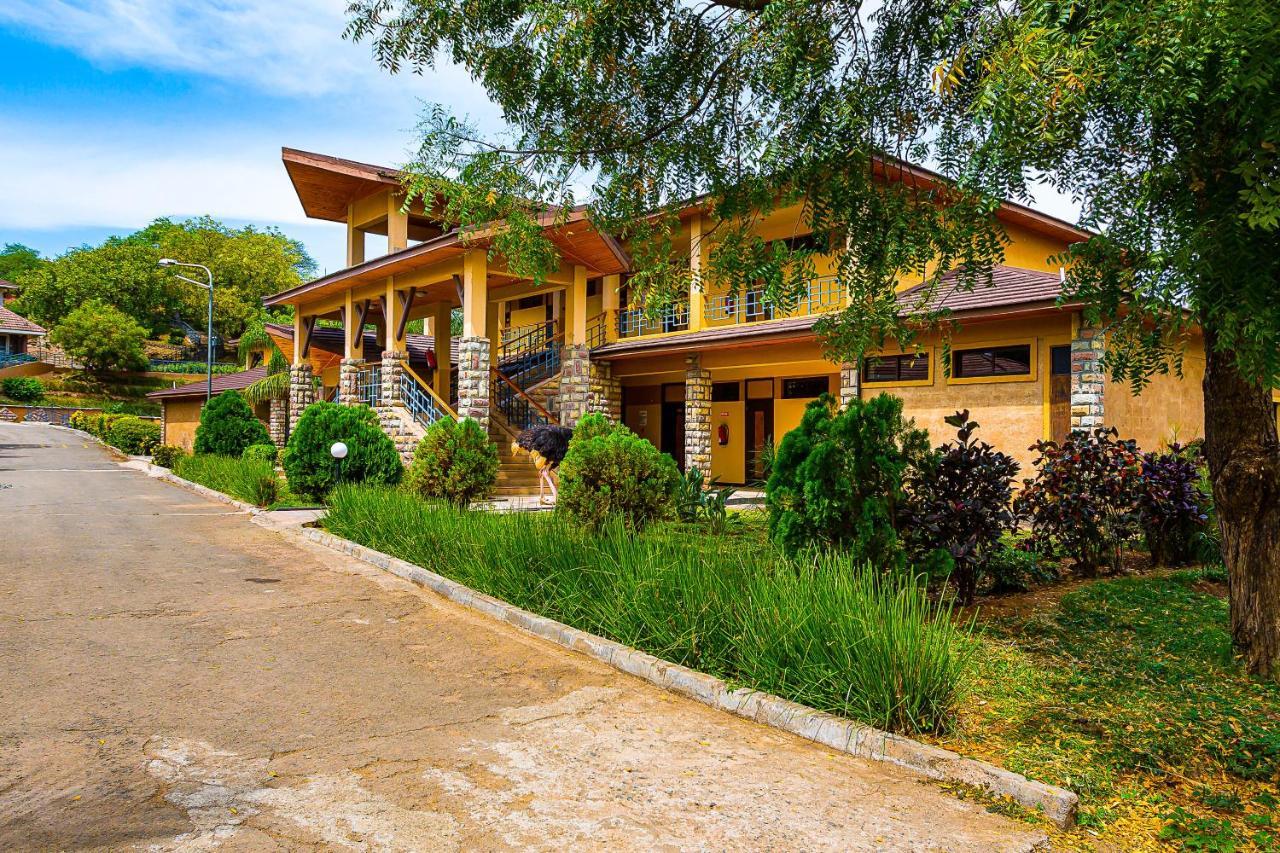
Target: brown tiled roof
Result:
[15, 323]
[1009, 286]
[330, 340]
[221, 382]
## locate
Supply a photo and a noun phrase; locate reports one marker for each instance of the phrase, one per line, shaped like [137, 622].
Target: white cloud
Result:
[289, 47]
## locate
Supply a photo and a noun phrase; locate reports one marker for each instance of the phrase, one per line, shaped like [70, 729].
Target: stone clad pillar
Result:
[302, 391]
[279, 427]
[474, 354]
[349, 381]
[1087, 347]
[605, 391]
[697, 417]
[392, 366]
[850, 383]
[575, 384]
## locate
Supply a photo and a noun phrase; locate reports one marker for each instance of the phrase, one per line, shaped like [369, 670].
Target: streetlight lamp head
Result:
[166, 262]
[339, 450]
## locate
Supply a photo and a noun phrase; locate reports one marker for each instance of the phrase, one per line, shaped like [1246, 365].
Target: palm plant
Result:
[273, 386]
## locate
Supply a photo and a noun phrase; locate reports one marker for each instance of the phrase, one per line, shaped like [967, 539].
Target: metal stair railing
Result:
[369, 385]
[422, 402]
[518, 409]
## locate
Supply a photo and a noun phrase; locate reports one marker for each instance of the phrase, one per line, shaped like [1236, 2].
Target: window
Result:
[809, 386]
[1060, 360]
[726, 392]
[992, 361]
[911, 367]
[593, 287]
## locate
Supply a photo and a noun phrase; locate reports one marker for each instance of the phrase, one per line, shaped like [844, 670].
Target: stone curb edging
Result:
[1057, 804]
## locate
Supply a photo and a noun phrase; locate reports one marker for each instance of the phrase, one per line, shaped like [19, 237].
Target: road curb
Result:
[1057, 804]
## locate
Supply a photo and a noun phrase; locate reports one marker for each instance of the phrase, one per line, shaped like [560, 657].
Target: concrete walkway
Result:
[176, 677]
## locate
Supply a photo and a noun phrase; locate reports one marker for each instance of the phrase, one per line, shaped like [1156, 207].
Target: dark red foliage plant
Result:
[1173, 507]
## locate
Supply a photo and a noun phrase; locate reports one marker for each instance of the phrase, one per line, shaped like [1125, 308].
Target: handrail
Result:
[520, 392]
[448, 410]
[597, 329]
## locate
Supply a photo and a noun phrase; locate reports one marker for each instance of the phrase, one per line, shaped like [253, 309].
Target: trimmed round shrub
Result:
[133, 435]
[24, 389]
[615, 474]
[261, 453]
[167, 455]
[228, 426]
[591, 425]
[455, 461]
[371, 455]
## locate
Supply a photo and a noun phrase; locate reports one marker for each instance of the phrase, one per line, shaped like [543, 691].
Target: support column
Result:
[610, 299]
[474, 350]
[279, 420]
[697, 416]
[697, 269]
[850, 383]
[1087, 348]
[397, 224]
[444, 355]
[349, 370]
[575, 384]
[606, 392]
[302, 391]
[392, 366]
[355, 239]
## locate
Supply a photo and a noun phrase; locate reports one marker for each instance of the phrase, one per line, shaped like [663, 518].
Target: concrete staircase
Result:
[403, 430]
[517, 475]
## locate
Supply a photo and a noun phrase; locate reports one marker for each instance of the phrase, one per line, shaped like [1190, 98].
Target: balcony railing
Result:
[369, 385]
[10, 359]
[634, 322]
[598, 329]
[822, 295]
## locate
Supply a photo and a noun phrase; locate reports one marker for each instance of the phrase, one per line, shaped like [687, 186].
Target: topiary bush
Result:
[371, 455]
[1084, 497]
[1173, 508]
[133, 435]
[24, 389]
[261, 453]
[167, 455]
[228, 426]
[455, 461]
[960, 501]
[837, 479]
[610, 472]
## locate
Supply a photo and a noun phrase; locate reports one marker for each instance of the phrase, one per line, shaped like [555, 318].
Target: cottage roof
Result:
[221, 382]
[15, 324]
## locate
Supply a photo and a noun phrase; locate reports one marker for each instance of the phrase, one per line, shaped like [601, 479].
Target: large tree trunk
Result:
[1244, 466]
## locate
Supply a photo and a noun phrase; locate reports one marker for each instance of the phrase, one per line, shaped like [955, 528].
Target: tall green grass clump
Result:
[822, 631]
[250, 480]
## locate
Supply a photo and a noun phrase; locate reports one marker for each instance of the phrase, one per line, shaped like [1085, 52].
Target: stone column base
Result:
[302, 392]
[697, 417]
[392, 368]
[279, 427]
[474, 356]
[850, 383]
[575, 384]
[349, 381]
[1087, 388]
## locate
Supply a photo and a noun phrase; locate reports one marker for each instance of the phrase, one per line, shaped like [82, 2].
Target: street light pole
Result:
[170, 262]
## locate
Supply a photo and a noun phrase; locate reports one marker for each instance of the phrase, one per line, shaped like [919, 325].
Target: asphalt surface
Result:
[176, 677]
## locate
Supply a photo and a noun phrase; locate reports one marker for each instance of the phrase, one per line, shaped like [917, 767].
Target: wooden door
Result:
[759, 434]
[1059, 392]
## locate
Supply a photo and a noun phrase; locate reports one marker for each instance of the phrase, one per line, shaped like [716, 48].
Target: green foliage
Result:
[611, 473]
[247, 264]
[250, 480]
[960, 501]
[837, 479]
[16, 259]
[228, 426]
[273, 386]
[24, 389]
[192, 367]
[97, 424]
[101, 337]
[133, 435]
[455, 461]
[167, 455]
[831, 634]
[1084, 497]
[252, 339]
[371, 455]
[261, 453]
[1016, 569]
[696, 501]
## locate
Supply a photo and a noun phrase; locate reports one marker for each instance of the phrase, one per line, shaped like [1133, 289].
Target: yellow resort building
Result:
[716, 378]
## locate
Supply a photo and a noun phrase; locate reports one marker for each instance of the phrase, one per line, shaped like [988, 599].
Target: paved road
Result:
[176, 677]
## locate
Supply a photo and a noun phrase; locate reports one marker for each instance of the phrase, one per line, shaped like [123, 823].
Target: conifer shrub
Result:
[133, 435]
[609, 472]
[228, 426]
[455, 461]
[371, 456]
[837, 480]
[167, 455]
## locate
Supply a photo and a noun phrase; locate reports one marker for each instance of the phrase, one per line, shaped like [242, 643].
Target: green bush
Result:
[24, 389]
[262, 453]
[79, 420]
[133, 435]
[831, 635]
[167, 455]
[371, 456]
[102, 338]
[837, 479]
[610, 472]
[228, 426]
[1013, 569]
[96, 424]
[249, 480]
[455, 461]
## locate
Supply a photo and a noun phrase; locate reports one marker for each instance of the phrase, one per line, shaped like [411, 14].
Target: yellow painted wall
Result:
[28, 368]
[645, 421]
[181, 417]
[729, 461]
[1169, 409]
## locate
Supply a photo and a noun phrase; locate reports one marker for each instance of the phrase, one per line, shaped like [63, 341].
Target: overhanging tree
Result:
[1159, 115]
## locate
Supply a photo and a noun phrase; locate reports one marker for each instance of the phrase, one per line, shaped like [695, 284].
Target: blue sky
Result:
[115, 113]
[112, 114]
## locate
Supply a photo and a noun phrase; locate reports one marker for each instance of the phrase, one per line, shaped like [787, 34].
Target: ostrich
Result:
[546, 445]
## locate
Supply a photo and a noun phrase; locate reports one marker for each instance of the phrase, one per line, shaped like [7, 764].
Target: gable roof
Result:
[16, 324]
[221, 382]
[1009, 286]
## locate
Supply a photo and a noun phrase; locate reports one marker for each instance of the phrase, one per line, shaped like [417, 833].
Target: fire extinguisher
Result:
[722, 434]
